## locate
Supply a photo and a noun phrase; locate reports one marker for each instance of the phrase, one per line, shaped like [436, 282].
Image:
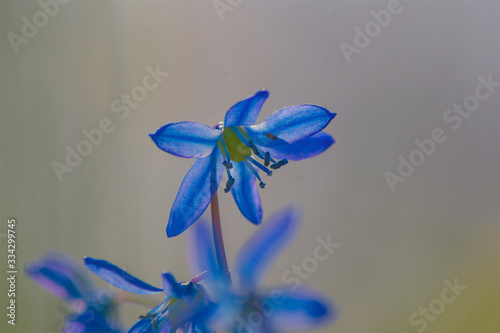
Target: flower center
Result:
[236, 145]
[237, 150]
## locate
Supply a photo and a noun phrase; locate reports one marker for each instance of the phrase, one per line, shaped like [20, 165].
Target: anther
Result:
[262, 185]
[228, 165]
[279, 164]
[271, 136]
[229, 184]
[267, 158]
[283, 162]
[255, 150]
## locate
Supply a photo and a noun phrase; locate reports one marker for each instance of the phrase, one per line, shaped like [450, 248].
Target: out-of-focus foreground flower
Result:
[247, 308]
[292, 133]
[185, 306]
[90, 309]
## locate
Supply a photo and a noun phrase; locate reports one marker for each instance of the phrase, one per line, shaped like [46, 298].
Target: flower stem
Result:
[218, 241]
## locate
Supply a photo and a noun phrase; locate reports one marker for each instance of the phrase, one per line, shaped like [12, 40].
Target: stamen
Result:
[260, 166]
[241, 136]
[255, 149]
[279, 164]
[266, 159]
[227, 163]
[229, 184]
[255, 172]
[200, 277]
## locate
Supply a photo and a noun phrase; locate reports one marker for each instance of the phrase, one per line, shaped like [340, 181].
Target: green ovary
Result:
[237, 149]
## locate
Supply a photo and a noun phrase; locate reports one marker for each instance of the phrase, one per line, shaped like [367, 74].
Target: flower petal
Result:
[305, 148]
[290, 124]
[246, 193]
[247, 111]
[302, 309]
[187, 139]
[60, 275]
[196, 192]
[258, 252]
[171, 286]
[118, 277]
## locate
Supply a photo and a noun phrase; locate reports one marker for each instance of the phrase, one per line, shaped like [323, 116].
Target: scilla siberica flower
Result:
[185, 305]
[90, 309]
[247, 308]
[292, 133]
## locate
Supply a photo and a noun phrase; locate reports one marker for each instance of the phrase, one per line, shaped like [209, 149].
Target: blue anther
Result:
[266, 159]
[283, 162]
[255, 149]
[229, 184]
[279, 164]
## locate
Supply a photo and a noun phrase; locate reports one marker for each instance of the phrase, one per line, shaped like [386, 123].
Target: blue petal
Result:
[306, 148]
[170, 285]
[196, 192]
[118, 277]
[60, 275]
[260, 250]
[290, 124]
[247, 111]
[187, 139]
[302, 309]
[246, 193]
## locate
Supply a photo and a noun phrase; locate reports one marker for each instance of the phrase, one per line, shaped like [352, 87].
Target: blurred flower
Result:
[292, 133]
[185, 305]
[91, 309]
[247, 308]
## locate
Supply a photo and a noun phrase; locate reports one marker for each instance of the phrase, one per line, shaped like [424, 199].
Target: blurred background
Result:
[390, 87]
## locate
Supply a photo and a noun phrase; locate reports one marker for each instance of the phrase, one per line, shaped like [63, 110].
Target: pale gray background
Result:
[396, 248]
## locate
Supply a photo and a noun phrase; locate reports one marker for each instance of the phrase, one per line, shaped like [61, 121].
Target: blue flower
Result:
[292, 133]
[247, 308]
[90, 309]
[185, 305]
